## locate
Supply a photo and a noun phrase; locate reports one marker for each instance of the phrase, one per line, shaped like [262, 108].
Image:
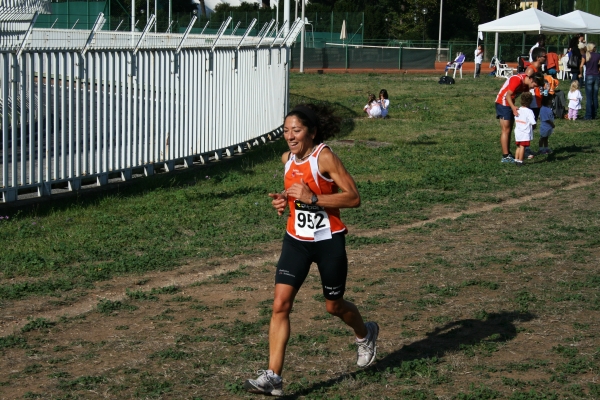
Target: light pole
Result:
[132, 17]
[424, 11]
[296, 14]
[302, 39]
[439, 52]
[277, 17]
[170, 12]
[286, 16]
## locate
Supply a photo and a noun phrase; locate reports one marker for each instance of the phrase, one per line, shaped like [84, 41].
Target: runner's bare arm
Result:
[279, 201]
[330, 165]
[511, 104]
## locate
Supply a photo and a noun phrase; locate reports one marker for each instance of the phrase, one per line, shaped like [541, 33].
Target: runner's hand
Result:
[279, 201]
[300, 191]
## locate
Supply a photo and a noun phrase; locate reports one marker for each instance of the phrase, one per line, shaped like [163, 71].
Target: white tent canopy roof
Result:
[589, 23]
[531, 20]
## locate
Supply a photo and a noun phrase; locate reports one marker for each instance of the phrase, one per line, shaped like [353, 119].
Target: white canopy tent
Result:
[589, 23]
[531, 21]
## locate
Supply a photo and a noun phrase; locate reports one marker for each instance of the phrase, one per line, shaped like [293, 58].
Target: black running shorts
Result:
[329, 255]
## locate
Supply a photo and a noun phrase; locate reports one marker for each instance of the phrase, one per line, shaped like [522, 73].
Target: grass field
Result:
[484, 277]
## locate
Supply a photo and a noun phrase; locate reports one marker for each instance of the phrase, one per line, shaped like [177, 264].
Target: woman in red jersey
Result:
[317, 185]
[506, 111]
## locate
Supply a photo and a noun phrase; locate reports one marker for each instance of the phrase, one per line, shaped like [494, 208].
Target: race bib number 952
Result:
[311, 221]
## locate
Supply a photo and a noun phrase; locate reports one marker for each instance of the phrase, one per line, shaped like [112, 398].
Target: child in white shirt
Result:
[373, 108]
[575, 98]
[524, 127]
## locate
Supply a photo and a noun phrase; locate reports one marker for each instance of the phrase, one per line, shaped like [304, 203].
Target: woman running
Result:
[317, 185]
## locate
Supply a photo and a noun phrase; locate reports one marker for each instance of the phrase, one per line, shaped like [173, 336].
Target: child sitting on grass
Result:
[384, 102]
[373, 108]
[547, 124]
[524, 124]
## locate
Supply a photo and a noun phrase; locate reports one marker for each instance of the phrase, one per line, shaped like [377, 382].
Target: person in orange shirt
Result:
[552, 64]
[316, 185]
[538, 56]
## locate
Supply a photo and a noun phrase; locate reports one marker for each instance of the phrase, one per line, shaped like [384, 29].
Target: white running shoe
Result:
[367, 350]
[267, 383]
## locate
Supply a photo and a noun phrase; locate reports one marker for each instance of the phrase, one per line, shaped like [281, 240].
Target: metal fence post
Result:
[346, 48]
[400, 57]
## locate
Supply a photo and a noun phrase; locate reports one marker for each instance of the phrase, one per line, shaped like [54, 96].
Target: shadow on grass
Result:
[423, 140]
[564, 153]
[457, 335]
[180, 178]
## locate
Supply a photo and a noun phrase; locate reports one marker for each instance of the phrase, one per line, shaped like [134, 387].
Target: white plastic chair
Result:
[561, 71]
[457, 65]
[502, 69]
[566, 70]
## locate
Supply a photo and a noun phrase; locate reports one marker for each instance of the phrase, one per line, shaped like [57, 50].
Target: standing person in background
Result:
[316, 186]
[592, 82]
[506, 111]
[478, 60]
[539, 58]
[575, 40]
[582, 53]
[575, 56]
[384, 102]
[574, 100]
[541, 42]
[547, 125]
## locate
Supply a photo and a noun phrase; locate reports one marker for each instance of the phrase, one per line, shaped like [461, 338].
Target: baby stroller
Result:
[523, 63]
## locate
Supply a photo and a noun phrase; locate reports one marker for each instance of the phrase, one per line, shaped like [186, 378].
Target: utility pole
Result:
[132, 16]
[439, 50]
[302, 40]
[286, 16]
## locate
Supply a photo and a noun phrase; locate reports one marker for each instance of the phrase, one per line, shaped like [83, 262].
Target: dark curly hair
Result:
[526, 99]
[326, 123]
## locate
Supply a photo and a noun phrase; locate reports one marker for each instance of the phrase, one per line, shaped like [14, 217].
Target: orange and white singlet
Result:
[311, 222]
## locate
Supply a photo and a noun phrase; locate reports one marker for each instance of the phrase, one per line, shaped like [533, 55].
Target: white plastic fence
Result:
[81, 106]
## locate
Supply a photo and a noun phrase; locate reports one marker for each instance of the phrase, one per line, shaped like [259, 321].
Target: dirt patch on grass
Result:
[492, 301]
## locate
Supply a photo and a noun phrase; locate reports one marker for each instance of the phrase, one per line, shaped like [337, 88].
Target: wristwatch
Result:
[314, 199]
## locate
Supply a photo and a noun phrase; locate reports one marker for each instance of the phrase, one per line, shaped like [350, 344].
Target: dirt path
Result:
[18, 313]
[501, 301]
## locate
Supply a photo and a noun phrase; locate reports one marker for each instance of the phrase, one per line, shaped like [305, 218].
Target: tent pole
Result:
[496, 41]
[523, 45]
[476, 47]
